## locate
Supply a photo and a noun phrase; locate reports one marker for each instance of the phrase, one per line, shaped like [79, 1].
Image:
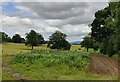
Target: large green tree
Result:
[106, 29]
[34, 39]
[58, 41]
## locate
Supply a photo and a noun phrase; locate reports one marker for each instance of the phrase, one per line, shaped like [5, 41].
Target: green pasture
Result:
[46, 64]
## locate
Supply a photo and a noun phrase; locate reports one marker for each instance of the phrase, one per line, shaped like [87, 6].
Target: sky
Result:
[71, 18]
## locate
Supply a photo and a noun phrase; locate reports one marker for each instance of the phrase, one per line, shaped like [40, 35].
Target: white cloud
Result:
[54, 22]
[15, 21]
[51, 29]
[13, 25]
[76, 30]
[45, 18]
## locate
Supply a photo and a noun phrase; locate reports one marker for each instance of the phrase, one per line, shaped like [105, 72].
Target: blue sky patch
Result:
[9, 7]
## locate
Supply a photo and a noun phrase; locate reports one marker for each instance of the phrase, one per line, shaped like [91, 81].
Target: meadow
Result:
[43, 63]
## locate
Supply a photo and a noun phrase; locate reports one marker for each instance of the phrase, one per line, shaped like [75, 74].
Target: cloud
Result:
[55, 10]
[76, 32]
[61, 13]
[14, 21]
[71, 18]
[13, 25]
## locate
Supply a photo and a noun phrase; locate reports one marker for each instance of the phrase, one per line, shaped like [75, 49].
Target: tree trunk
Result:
[87, 49]
[32, 47]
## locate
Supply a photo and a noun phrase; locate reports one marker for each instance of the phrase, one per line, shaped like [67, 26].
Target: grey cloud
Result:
[57, 10]
[67, 13]
[14, 25]
[46, 17]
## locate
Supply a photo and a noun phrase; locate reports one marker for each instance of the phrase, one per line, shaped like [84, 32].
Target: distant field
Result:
[13, 48]
[46, 69]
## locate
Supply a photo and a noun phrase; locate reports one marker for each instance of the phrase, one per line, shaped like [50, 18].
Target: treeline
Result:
[105, 34]
[56, 41]
[16, 38]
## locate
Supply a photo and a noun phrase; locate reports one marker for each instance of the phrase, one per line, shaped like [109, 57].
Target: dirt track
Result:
[103, 65]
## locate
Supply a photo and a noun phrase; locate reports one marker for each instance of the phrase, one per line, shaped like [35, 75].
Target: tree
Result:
[33, 39]
[89, 42]
[17, 38]
[22, 40]
[99, 30]
[9, 39]
[40, 39]
[58, 41]
[4, 37]
[106, 29]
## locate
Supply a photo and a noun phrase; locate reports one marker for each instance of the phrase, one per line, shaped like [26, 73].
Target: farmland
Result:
[45, 64]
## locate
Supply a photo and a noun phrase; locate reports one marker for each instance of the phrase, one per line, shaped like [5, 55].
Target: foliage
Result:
[106, 29]
[34, 39]
[58, 41]
[17, 39]
[89, 42]
[40, 39]
[4, 37]
[53, 58]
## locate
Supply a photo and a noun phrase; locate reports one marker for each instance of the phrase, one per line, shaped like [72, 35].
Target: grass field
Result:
[44, 68]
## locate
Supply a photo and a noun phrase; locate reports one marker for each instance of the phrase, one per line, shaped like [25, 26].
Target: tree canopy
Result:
[17, 39]
[4, 37]
[106, 29]
[34, 39]
[89, 42]
[58, 41]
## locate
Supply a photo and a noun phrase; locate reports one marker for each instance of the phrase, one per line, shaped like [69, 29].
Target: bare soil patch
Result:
[104, 65]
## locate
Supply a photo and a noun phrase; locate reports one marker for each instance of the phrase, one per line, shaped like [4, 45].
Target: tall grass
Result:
[50, 58]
